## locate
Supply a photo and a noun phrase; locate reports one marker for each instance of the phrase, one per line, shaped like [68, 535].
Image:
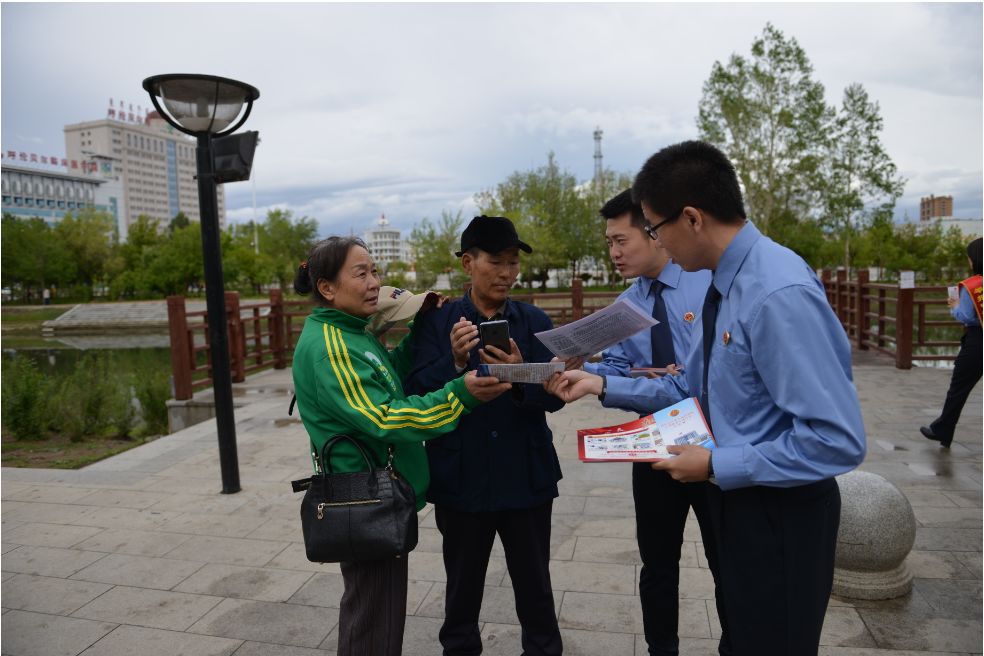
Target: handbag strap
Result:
[330, 444]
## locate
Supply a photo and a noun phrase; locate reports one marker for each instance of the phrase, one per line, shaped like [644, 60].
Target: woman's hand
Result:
[464, 337]
[485, 388]
[494, 355]
[572, 385]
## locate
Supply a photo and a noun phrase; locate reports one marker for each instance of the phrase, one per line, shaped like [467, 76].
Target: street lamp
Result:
[205, 107]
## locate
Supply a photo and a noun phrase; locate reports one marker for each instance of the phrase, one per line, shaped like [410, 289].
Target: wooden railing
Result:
[883, 317]
[903, 323]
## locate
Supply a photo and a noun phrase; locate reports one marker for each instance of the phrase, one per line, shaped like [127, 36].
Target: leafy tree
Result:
[128, 265]
[768, 114]
[176, 264]
[179, 221]
[87, 236]
[31, 257]
[858, 173]
[242, 264]
[286, 242]
[434, 246]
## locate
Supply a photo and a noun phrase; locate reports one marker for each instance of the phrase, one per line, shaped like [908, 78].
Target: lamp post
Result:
[205, 106]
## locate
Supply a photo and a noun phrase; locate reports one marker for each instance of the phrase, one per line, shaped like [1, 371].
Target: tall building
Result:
[935, 207]
[50, 193]
[385, 243]
[153, 164]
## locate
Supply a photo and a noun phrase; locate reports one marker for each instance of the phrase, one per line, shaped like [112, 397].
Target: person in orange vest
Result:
[967, 367]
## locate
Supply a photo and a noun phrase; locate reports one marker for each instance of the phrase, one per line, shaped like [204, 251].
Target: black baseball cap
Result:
[492, 234]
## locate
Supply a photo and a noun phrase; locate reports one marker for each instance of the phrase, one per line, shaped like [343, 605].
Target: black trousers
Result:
[661, 506]
[373, 610]
[966, 373]
[525, 537]
[776, 548]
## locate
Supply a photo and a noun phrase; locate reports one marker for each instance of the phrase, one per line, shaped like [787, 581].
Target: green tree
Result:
[88, 238]
[177, 263]
[128, 265]
[179, 221]
[31, 257]
[285, 241]
[768, 114]
[433, 246]
[857, 171]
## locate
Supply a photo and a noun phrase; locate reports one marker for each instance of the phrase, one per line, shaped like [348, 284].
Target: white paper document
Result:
[528, 372]
[597, 331]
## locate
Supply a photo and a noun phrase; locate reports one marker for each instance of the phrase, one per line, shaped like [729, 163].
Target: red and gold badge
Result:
[689, 317]
[726, 338]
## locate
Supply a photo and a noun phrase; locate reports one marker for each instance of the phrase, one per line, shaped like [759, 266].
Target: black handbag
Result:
[361, 516]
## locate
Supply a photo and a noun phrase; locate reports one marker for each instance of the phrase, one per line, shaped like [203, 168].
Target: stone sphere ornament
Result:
[877, 531]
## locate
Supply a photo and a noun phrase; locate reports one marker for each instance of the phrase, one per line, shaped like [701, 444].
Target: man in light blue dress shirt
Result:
[771, 366]
[661, 503]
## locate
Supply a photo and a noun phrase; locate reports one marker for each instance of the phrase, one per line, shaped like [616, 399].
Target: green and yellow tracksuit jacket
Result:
[346, 382]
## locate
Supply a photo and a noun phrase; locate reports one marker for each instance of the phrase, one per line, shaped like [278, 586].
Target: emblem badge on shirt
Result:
[726, 338]
[689, 317]
[383, 371]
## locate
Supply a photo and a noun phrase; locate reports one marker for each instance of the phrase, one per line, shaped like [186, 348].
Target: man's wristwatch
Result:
[604, 388]
[710, 468]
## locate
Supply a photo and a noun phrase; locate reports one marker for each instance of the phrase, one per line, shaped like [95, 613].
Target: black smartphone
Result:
[495, 333]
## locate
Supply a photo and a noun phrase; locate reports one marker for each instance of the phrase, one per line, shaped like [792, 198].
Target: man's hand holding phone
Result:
[464, 337]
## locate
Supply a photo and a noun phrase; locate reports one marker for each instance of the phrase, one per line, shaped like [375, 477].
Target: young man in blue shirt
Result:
[497, 473]
[674, 297]
[771, 366]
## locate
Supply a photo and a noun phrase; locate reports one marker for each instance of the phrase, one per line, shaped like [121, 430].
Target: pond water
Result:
[126, 352]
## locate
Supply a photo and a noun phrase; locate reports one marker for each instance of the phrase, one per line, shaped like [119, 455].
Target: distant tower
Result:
[598, 176]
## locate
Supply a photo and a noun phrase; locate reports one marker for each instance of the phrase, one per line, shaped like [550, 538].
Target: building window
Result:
[61, 204]
[18, 200]
[71, 205]
[29, 202]
[51, 203]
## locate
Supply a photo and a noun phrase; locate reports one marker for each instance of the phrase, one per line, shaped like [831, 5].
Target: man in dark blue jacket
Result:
[498, 472]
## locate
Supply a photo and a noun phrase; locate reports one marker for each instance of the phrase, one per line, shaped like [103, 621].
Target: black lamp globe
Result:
[210, 109]
[201, 104]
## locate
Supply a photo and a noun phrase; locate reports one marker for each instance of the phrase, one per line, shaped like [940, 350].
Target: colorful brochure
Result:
[646, 439]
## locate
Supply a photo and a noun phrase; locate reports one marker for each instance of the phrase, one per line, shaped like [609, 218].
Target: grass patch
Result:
[60, 452]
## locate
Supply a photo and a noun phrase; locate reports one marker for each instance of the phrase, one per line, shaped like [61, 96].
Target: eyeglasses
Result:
[652, 229]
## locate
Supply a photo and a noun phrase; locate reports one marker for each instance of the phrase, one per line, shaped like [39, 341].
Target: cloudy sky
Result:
[410, 109]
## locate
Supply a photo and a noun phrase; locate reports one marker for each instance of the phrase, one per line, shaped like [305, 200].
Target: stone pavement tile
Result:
[326, 590]
[48, 535]
[139, 571]
[844, 627]
[593, 577]
[867, 651]
[696, 583]
[948, 517]
[261, 584]
[970, 560]
[186, 484]
[49, 494]
[596, 489]
[136, 499]
[498, 604]
[610, 506]
[36, 634]
[938, 565]
[622, 614]
[250, 648]
[430, 567]
[294, 557]
[953, 599]
[922, 497]
[158, 609]
[419, 637]
[428, 540]
[128, 518]
[279, 528]
[216, 524]
[505, 640]
[964, 498]
[262, 621]
[50, 513]
[601, 527]
[138, 543]
[568, 505]
[688, 646]
[43, 594]
[893, 630]
[562, 547]
[130, 640]
[201, 503]
[48, 561]
[607, 550]
[232, 551]
[948, 539]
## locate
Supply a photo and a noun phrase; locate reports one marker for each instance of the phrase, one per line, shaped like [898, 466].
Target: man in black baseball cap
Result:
[492, 234]
[497, 473]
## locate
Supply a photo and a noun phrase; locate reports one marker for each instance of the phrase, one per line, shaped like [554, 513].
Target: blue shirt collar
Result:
[466, 300]
[733, 257]
[669, 276]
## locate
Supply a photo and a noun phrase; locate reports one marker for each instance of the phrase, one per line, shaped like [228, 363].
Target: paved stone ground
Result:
[139, 554]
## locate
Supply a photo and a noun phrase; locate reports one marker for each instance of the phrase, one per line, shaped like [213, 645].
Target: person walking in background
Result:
[497, 473]
[967, 367]
[347, 383]
[771, 365]
[674, 298]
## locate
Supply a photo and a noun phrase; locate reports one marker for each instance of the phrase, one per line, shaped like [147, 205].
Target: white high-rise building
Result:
[152, 163]
[385, 243]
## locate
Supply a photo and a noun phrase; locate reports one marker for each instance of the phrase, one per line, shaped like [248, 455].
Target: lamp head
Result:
[201, 104]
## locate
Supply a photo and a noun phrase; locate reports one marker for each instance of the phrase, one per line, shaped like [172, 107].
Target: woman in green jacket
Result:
[346, 382]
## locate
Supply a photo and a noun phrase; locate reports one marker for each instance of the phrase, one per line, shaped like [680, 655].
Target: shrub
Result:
[152, 388]
[24, 398]
[94, 400]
